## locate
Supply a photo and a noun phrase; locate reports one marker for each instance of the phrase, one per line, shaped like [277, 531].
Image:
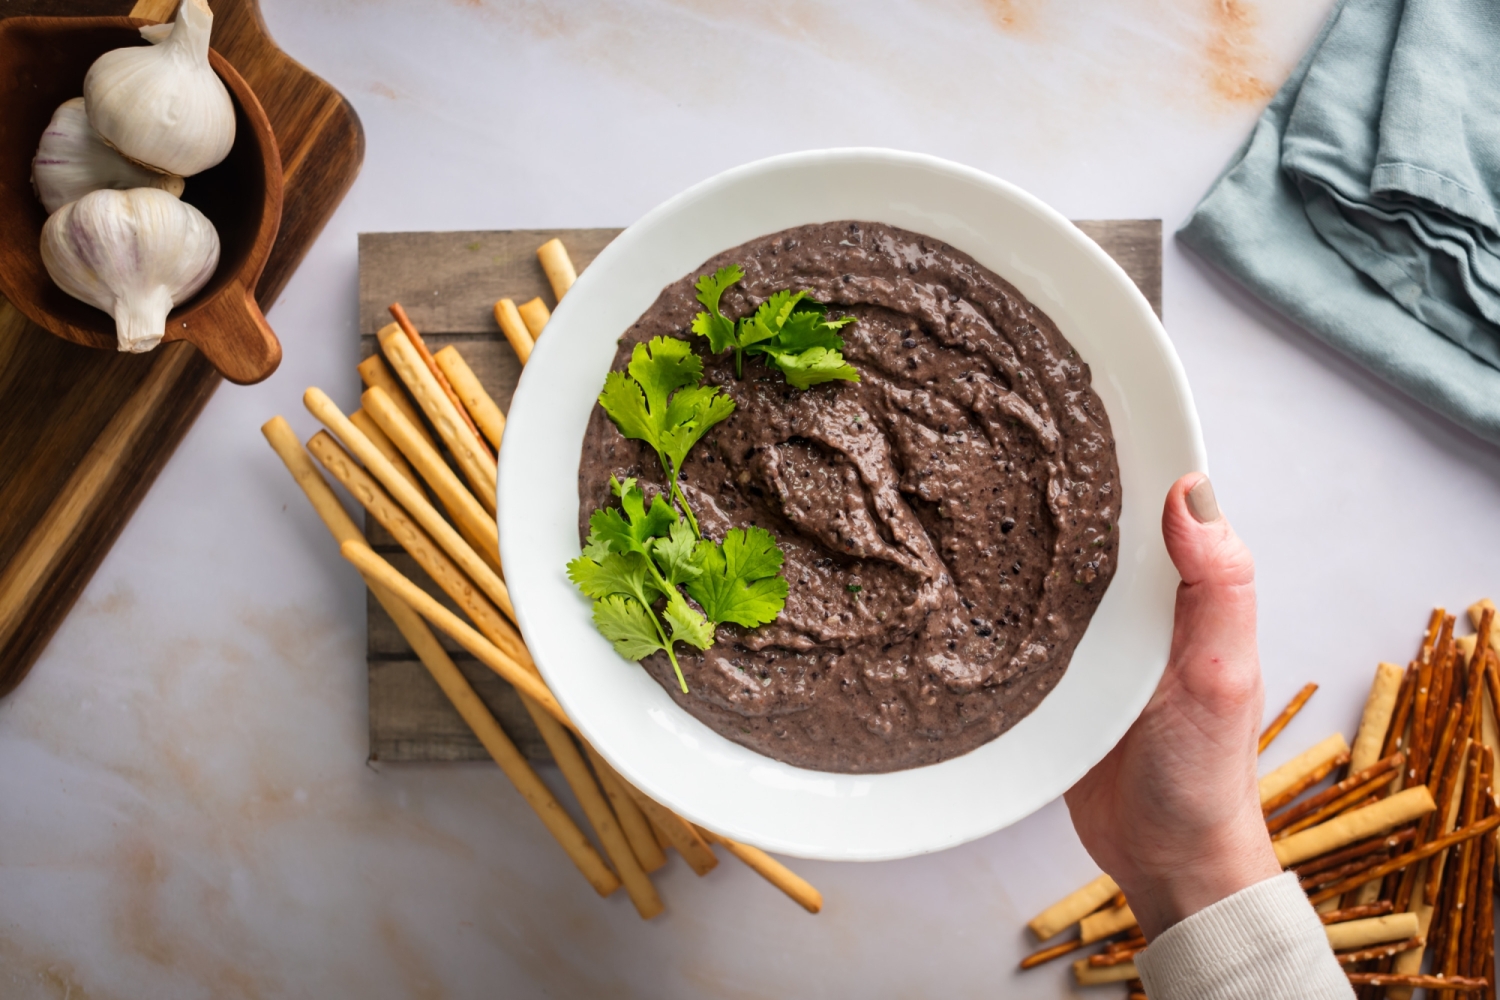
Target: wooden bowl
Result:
[45, 60]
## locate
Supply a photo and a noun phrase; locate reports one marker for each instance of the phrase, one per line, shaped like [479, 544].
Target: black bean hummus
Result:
[948, 521]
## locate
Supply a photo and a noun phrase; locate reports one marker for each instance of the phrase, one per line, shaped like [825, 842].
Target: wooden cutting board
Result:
[84, 433]
[448, 284]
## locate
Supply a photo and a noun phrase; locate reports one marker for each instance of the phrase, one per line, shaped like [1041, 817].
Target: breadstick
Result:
[689, 843]
[1287, 714]
[478, 402]
[535, 315]
[1372, 930]
[799, 889]
[412, 501]
[1341, 831]
[455, 496]
[1106, 923]
[376, 373]
[514, 328]
[399, 315]
[1410, 857]
[1300, 766]
[367, 562]
[444, 671]
[637, 828]
[1097, 975]
[1379, 707]
[368, 427]
[1072, 908]
[474, 461]
[558, 265]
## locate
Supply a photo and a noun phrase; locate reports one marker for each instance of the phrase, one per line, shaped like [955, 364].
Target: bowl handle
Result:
[234, 336]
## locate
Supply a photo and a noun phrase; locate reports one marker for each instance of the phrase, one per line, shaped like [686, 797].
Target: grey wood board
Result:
[448, 284]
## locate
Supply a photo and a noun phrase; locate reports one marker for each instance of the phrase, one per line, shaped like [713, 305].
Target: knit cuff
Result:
[1263, 943]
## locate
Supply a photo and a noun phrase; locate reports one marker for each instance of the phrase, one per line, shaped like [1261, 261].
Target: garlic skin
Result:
[72, 160]
[135, 254]
[163, 105]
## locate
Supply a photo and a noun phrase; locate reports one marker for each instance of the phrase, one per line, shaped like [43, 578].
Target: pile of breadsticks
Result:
[419, 456]
[1397, 851]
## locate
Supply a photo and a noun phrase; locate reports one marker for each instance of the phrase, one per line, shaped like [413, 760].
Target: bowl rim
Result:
[531, 389]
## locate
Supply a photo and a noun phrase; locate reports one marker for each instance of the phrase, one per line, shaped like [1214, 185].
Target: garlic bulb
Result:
[135, 254]
[163, 105]
[72, 160]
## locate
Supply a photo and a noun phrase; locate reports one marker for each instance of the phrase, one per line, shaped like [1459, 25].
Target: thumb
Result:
[1200, 542]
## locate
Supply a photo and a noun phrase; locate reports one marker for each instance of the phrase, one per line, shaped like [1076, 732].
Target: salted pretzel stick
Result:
[1359, 796]
[413, 503]
[637, 828]
[1072, 908]
[1458, 900]
[1048, 954]
[1380, 707]
[1459, 729]
[1476, 611]
[1410, 857]
[683, 835]
[1312, 805]
[558, 266]
[471, 393]
[444, 671]
[366, 561]
[1342, 872]
[438, 376]
[1355, 852]
[1294, 770]
[1357, 824]
[1458, 983]
[1287, 714]
[1108, 958]
[1376, 909]
[375, 372]
[514, 328]
[1402, 715]
[1371, 930]
[371, 430]
[1106, 923]
[535, 315]
[467, 512]
[1381, 951]
[1303, 784]
[795, 886]
[473, 458]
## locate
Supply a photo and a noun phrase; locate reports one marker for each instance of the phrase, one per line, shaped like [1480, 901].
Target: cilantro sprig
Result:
[636, 560]
[659, 399]
[791, 330]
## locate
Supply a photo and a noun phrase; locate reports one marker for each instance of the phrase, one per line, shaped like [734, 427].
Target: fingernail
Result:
[1201, 501]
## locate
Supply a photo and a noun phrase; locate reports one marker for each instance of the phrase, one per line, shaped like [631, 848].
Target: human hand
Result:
[1173, 813]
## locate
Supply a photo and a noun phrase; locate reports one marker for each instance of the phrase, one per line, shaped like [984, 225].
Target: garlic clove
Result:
[163, 105]
[72, 160]
[135, 254]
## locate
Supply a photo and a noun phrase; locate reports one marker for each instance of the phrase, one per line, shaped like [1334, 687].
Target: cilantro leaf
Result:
[659, 400]
[688, 623]
[738, 580]
[614, 574]
[674, 554]
[713, 324]
[628, 625]
[816, 365]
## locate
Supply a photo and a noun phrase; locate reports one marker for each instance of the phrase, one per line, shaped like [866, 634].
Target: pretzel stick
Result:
[1382, 951]
[476, 401]
[1311, 806]
[412, 335]
[1401, 808]
[637, 828]
[1073, 908]
[1359, 850]
[1287, 714]
[558, 266]
[1048, 954]
[444, 672]
[1106, 923]
[1342, 872]
[1419, 982]
[1476, 611]
[1404, 700]
[1088, 975]
[376, 373]
[1126, 944]
[514, 328]
[412, 502]
[1372, 930]
[455, 496]
[366, 561]
[1311, 778]
[1459, 727]
[473, 459]
[535, 315]
[1361, 796]
[1108, 958]
[799, 889]
[1294, 770]
[1459, 900]
[1403, 860]
[1377, 909]
[681, 833]
[1380, 706]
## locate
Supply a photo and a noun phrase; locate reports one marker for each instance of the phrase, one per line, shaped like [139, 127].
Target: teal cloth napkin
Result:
[1363, 205]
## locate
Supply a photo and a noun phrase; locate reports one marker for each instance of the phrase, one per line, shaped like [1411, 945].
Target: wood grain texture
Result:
[84, 433]
[448, 284]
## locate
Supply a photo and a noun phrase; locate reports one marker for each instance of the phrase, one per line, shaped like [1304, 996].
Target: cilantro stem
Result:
[666, 641]
[739, 362]
[686, 510]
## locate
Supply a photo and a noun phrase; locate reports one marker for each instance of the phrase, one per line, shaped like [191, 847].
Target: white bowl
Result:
[682, 763]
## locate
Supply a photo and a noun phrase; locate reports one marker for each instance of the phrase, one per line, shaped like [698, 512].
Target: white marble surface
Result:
[185, 810]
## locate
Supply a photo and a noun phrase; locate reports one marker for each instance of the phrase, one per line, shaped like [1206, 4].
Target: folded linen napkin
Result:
[1364, 203]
